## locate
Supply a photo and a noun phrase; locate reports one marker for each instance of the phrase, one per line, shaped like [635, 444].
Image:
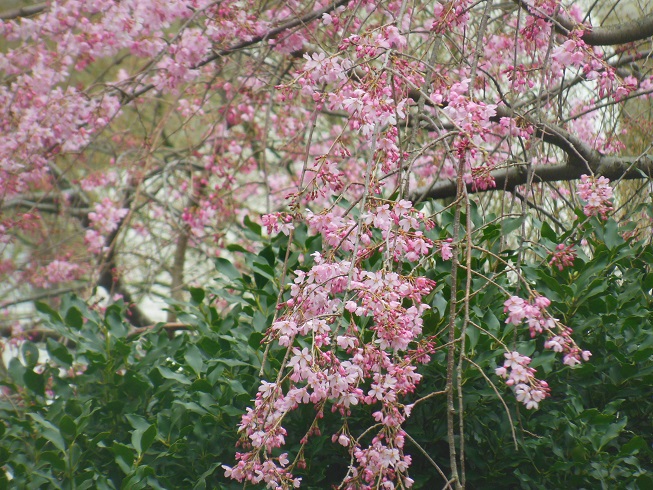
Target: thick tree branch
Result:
[27, 11]
[628, 32]
[111, 282]
[581, 159]
[509, 178]
[580, 153]
[108, 278]
[47, 204]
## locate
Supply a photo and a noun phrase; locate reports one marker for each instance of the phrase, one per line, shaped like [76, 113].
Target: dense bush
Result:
[114, 407]
[595, 431]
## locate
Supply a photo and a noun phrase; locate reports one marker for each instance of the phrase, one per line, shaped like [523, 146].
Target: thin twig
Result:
[429, 459]
[512, 425]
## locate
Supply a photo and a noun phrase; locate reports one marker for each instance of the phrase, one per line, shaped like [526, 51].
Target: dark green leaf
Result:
[255, 339]
[115, 322]
[547, 232]
[197, 295]
[226, 268]
[49, 431]
[124, 456]
[473, 334]
[193, 357]
[74, 318]
[142, 439]
[68, 428]
[168, 374]
[509, 225]
[55, 459]
[30, 354]
[48, 312]
[255, 227]
[35, 382]
[138, 421]
[59, 352]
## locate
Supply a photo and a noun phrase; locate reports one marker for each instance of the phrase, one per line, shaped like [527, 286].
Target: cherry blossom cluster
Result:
[369, 109]
[380, 462]
[325, 178]
[528, 389]
[596, 192]
[398, 226]
[56, 272]
[563, 256]
[278, 223]
[271, 473]
[445, 249]
[201, 217]
[328, 362]
[375, 42]
[449, 14]
[47, 117]
[534, 313]
[574, 52]
[474, 125]
[563, 343]
[470, 116]
[179, 67]
[104, 220]
[480, 178]
[374, 104]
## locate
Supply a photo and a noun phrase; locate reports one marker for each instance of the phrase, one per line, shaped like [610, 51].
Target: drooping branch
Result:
[271, 34]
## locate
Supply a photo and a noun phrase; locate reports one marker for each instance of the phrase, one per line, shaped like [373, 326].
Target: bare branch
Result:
[49, 293]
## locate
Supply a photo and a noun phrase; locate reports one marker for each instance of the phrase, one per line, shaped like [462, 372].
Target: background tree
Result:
[411, 201]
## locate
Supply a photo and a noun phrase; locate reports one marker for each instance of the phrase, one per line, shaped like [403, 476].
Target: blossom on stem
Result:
[563, 256]
[516, 370]
[597, 194]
